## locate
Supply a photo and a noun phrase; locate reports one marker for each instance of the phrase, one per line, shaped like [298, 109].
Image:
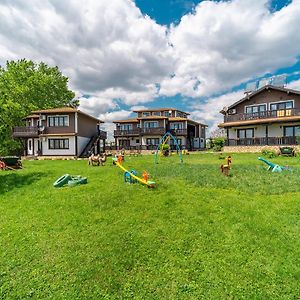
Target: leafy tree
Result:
[26, 86]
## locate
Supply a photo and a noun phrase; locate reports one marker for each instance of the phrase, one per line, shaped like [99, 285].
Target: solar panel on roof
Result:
[251, 86]
[279, 80]
[263, 82]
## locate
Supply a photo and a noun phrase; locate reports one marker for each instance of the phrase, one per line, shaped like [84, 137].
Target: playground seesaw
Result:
[273, 167]
[150, 184]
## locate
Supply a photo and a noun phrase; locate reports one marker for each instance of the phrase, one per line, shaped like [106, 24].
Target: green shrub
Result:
[269, 153]
[218, 143]
[165, 147]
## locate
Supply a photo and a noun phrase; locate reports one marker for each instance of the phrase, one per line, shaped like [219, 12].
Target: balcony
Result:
[270, 141]
[269, 114]
[25, 132]
[177, 132]
[153, 131]
[132, 132]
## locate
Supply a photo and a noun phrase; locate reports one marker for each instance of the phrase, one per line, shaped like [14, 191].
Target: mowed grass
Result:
[198, 235]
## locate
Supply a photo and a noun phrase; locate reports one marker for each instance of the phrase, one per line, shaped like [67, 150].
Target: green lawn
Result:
[198, 235]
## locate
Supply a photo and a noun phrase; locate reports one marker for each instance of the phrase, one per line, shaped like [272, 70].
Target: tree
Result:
[26, 86]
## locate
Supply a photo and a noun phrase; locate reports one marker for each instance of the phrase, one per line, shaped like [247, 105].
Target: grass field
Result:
[198, 235]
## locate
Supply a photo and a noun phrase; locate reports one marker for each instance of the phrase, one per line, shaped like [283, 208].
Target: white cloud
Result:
[209, 111]
[223, 44]
[112, 52]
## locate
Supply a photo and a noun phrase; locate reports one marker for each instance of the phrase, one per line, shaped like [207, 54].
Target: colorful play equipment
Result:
[70, 180]
[10, 163]
[163, 141]
[273, 167]
[131, 177]
[226, 168]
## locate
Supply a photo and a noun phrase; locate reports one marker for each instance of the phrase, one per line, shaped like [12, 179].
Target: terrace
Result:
[22, 131]
[268, 114]
[270, 141]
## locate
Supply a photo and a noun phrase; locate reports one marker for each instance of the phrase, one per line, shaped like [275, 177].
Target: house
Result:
[147, 128]
[269, 116]
[64, 131]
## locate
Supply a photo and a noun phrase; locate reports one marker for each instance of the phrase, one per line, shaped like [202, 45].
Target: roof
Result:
[192, 121]
[32, 117]
[65, 109]
[159, 109]
[153, 118]
[127, 121]
[266, 87]
[260, 121]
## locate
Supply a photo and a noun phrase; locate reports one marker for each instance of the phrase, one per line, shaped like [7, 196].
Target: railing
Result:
[263, 115]
[154, 130]
[271, 141]
[127, 132]
[22, 131]
[102, 134]
[178, 131]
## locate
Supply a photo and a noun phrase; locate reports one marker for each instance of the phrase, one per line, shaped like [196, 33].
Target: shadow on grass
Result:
[10, 181]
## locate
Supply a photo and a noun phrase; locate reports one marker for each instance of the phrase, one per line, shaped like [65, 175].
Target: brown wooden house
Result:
[64, 131]
[267, 116]
[147, 128]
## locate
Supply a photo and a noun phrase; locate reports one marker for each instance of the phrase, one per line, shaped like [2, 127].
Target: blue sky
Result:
[121, 55]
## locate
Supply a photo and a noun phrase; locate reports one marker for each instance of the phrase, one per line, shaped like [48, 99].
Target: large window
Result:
[146, 114]
[256, 109]
[179, 142]
[126, 127]
[156, 113]
[282, 105]
[245, 133]
[152, 141]
[178, 125]
[58, 121]
[152, 124]
[58, 143]
[291, 131]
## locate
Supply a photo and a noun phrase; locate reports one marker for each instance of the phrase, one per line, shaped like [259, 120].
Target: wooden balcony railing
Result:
[102, 134]
[154, 130]
[263, 115]
[178, 131]
[22, 131]
[127, 132]
[270, 141]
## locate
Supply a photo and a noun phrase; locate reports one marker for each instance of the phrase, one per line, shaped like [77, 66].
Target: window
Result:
[245, 133]
[291, 131]
[58, 121]
[179, 141]
[156, 113]
[167, 114]
[176, 125]
[29, 145]
[126, 127]
[153, 124]
[255, 109]
[137, 141]
[145, 114]
[282, 105]
[58, 143]
[153, 141]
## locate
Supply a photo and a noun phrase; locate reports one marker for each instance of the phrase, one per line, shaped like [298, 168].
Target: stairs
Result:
[90, 145]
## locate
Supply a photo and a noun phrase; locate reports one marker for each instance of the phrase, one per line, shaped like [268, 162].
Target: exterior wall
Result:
[274, 130]
[134, 125]
[81, 143]
[62, 129]
[87, 127]
[160, 122]
[268, 96]
[59, 152]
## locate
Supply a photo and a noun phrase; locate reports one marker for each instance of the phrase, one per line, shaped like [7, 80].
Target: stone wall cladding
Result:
[254, 149]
